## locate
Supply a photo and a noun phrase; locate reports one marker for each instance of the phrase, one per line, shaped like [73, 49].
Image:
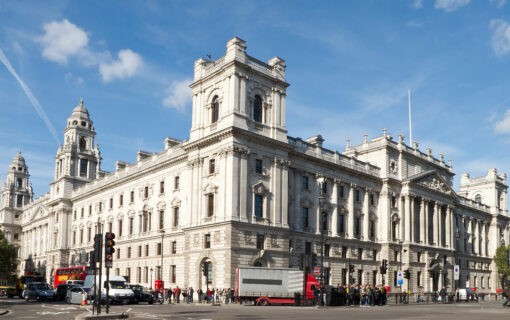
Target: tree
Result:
[501, 260]
[7, 258]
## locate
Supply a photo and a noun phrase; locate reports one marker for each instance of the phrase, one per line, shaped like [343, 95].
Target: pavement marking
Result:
[44, 313]
[129, 309]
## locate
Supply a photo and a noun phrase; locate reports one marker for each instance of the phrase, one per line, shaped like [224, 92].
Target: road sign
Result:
[400, 278]
[456, 272]
[316, 271]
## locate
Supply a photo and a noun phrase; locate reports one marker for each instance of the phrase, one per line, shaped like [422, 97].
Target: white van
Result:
[118, 293]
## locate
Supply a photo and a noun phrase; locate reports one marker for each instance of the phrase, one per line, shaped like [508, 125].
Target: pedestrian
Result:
[177, 294]
[442, 294]
[199, 294]
[191, 291]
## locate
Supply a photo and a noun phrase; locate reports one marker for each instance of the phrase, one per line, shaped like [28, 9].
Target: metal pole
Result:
[107, 289]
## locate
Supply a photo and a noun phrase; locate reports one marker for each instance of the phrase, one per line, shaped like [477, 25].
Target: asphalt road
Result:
[19, 309]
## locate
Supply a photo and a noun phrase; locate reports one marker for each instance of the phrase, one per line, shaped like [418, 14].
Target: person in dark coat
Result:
[442, 294]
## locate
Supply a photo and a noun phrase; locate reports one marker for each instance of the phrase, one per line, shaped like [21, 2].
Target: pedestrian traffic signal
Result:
[314, 259]
[204, 269]
[98, 247]
[407, 274]
[351, 268]
[109, 249]
[384, 266]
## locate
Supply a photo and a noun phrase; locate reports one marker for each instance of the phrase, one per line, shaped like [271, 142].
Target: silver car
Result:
[75, 295]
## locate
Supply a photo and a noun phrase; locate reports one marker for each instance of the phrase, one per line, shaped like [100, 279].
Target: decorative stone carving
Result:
[434, 183]
[197, 162]
[281, 163]
[274, 240]
[216, 236]
[247, 237]
[259, 188]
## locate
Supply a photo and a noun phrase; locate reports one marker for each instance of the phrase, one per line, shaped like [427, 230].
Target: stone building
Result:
[240, 191]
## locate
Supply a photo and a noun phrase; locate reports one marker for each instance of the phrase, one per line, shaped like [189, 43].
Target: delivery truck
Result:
[264, 286]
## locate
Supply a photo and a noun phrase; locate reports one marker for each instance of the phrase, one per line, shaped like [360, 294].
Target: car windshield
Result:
[137, 288]
[42, 286]
[117, 285]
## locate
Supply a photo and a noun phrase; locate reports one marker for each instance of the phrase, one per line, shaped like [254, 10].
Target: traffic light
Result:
[431, 274]
[98, 247]
[109, 249]
[351, 268]
[384, 266]
[314, 260]
[407, 274]
[204, 269]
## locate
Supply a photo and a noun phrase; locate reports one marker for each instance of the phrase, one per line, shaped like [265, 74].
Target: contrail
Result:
[35, 103]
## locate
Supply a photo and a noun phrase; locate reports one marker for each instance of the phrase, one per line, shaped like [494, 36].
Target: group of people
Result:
[353, 295]
[211, 295]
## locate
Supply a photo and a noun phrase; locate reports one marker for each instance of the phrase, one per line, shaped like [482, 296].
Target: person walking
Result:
[442, 294]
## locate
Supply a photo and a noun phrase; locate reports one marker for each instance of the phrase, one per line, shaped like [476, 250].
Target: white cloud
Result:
[503, 125]
[414, 24]
[500, 40]
[418, 3]
[450, 5]
[178, 95]
[126, 66]
[70, 78]
[499, 3]
[62, 40]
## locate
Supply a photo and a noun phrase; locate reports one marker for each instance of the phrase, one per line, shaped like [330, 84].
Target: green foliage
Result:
[7, 258]
[501, 260]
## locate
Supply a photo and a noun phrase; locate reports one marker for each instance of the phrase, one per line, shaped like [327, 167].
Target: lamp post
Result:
[322, 198]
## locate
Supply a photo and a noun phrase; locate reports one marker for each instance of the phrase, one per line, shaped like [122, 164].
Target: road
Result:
[20, 309]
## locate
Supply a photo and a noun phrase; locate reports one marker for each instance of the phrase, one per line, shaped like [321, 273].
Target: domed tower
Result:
[17, 191]
[78, 161]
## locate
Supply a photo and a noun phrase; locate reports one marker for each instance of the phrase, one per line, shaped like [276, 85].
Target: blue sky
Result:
[349, 63]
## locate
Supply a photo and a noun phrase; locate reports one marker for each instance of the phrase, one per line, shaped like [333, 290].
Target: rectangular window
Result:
[372, 229]
[162, 187]
[304, 217]
[110, 226]
[324, 187]
[139, 274]
[305, 183]
[132, 197]
[146, 192]
[89, 234]
[207, 241]
[161, 219]
[374, 278]
[90, 210]
[418, 278]
[212, 166]
[360, 276]
[260, 241]
[82, 212]
[357, 226]
[74, 237]
[344, 252]
[259, 199]
[176, 217]
[326, 250]
[118, 253]
[418, 256]
[176, 183]
[394, 278]
[74, 215]
[146, 274]
[81, 235]
[341, 192]
[395, 255]
[128, 275]
[374, 255]
[159, 249]
[146, 250]
[120, 228]
[341, 224]
[111, 203]
[210, 205]
[130, 225]
[129, 252]
[258, 166]
[372, 200]
[173, 273]
[360, 253]
[121, 200]
[393, 201]
[174, 247]
[357, 196]
[83, 167]
[139, 251]
[308, 248]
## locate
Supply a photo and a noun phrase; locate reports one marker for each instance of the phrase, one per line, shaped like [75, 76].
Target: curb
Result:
[4, 312]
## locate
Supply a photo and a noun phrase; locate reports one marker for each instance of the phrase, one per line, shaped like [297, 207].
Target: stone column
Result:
[298, 175]
[334, 214]
[407, 218]
[423, 226]
[411, 218]
[366, 215]
[426, 207]
[350, 214]
[462, 236]
[476, 239]
[242, 97]
[469, 230]
[448, 227]
[402, 223]
[285, 194]
[435, 224]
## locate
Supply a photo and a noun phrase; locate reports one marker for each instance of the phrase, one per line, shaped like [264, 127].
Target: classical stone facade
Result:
[240, 191]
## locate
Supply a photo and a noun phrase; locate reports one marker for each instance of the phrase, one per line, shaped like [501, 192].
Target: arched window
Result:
[215, 109]
[19, 183]
[478, 198]
[83, 143]
[257, 109]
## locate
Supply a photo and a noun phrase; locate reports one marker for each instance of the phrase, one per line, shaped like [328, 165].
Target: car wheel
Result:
[264, 302]
[151, 302]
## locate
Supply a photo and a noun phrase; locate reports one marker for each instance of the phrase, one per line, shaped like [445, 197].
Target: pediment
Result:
[259, 188]
[38, 212]
[432, 180]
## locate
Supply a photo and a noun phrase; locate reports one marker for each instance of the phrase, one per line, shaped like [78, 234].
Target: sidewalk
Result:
[3, 311]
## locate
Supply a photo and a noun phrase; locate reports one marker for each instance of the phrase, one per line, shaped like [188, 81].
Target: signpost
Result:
[456, 272]
[400, 278]
[316, 271]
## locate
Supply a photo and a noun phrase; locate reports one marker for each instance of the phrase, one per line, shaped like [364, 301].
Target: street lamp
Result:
[151, 278]
[322, 198]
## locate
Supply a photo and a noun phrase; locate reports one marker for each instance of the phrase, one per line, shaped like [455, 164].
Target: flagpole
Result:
[410, 126]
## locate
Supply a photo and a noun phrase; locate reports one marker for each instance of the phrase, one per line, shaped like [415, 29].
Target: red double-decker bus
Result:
[62, 275]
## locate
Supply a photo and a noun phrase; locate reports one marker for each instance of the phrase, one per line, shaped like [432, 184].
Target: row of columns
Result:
[473, 238]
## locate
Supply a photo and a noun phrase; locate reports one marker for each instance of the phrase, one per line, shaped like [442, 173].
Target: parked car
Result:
[62, 290]
[39, 291]
[75, 295]
[141, 295]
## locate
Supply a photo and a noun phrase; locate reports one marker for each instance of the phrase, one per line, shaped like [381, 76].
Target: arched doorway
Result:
[206, 273]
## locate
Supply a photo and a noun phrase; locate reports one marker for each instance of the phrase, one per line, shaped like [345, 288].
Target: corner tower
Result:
[238, 90]
[78, 161]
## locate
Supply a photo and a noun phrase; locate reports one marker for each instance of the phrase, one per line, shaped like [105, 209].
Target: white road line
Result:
[129, 309]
